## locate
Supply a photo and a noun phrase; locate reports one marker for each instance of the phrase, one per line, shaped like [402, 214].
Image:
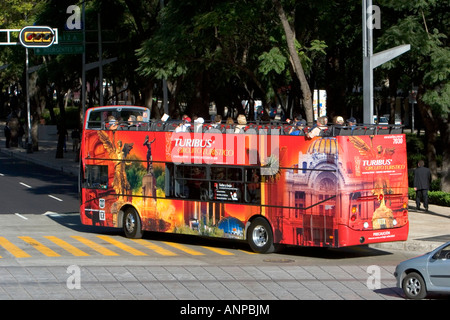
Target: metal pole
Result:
[367, 65]
[100, 71]
[83, 68]
[29, 143]
[164, 82]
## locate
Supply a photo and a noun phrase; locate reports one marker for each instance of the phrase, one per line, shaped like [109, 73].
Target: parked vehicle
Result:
[427, 273]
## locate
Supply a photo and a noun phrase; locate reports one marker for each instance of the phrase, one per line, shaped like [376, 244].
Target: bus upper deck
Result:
[137, 119]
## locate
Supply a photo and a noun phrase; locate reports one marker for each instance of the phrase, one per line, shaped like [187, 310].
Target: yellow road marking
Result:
[185, 249]
[220, 251]
[14, 250]
[104, 251]
[40, 247]
[154, 247]
[67, 246]
[122, 246]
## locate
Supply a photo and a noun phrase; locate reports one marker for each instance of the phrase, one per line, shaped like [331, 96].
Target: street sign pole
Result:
[371, 61]
[27, 87]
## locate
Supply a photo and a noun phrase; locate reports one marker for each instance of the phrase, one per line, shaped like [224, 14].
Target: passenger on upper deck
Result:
[298, 129]
[320, 129]
[338, 123]
[351, 123]
[242, 122]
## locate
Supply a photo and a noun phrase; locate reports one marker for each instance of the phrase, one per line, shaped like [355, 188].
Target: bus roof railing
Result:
[257, 127]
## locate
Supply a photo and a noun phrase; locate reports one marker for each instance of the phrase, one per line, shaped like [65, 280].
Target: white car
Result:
[427, 273]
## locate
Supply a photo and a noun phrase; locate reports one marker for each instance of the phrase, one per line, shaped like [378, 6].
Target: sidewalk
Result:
[427, 230]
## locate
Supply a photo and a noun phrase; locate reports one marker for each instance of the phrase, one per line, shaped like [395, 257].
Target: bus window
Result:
[96, 176]
[190, 181]
[253, 185]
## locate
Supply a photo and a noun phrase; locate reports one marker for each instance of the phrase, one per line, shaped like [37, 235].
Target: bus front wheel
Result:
[259, 236]
[132, 224]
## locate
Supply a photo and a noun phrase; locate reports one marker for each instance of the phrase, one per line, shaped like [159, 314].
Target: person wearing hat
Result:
[351, 123]
[198, 124]
[298, 129]
[338, 123]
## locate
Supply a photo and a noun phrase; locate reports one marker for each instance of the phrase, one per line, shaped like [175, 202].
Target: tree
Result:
[424, 25]
[295, 60]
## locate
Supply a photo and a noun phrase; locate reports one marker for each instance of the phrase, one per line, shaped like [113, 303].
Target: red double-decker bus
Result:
[261, 185]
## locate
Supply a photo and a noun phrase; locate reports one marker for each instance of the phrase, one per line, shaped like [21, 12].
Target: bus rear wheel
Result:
[260, 237]
[132, 224]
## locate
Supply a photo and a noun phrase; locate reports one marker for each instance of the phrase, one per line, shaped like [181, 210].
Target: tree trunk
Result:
[431, 129]
[296, 64]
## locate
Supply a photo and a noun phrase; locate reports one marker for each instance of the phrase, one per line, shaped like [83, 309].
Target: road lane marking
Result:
[184, 248]
[67, 246]
[40, 247]
[25, 185]
[56, 198]
[104, 251]
[122, 246]
[154, 247]
[13, 249]
[219, 251]
[21, 216]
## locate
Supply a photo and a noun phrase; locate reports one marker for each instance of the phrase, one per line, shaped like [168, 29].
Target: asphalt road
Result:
[42, 242]
[26, 188]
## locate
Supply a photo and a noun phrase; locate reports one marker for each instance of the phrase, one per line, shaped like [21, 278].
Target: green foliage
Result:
[438, 198]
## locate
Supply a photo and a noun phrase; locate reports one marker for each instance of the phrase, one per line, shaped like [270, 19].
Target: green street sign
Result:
[60, 49]
[69, 42]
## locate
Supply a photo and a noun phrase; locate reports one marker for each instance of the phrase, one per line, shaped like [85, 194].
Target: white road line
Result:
[21, 216]
[53, 197]
[1, 174]
[25, 185]
[52, 214]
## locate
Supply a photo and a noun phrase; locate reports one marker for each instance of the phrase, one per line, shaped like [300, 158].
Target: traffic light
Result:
[37, 36]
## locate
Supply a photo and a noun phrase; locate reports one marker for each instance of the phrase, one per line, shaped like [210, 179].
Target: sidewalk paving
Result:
[427, 230]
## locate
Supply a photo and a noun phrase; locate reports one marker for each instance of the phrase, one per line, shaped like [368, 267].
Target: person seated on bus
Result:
[319, 129]
[338, 124]
[216, 122]
[132, 122]
[113, 124]
[298, 130]
[351, 122]
[242, 123]
[198, 124]
[295, 119]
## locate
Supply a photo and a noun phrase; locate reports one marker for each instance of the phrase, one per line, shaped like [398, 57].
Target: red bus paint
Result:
[262, 185]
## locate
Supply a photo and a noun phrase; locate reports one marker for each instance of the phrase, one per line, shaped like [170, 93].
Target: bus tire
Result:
[260, 236]
[132, 224]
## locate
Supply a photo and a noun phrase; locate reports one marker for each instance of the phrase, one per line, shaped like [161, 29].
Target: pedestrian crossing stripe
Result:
[40, 247]
[18, 252]
[91, 244]
[154, 247]
[67, 246]
[122, 246]
[13, 249]
[184, 248]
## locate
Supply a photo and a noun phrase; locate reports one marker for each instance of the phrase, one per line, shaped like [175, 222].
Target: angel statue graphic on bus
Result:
[119, 153]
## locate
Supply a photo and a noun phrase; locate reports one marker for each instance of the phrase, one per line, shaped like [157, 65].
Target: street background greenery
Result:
[217, 52]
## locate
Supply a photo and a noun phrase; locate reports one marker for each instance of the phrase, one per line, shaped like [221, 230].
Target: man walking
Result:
[422, 180]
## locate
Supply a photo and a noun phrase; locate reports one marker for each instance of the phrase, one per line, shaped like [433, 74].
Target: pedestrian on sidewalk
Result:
[7, 134]
[422, 180]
